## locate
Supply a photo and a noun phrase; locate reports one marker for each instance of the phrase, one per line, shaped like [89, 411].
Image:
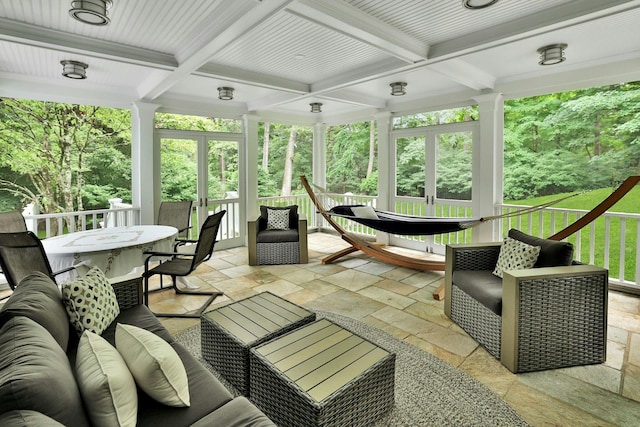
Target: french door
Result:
[433, 173]
[205, 167]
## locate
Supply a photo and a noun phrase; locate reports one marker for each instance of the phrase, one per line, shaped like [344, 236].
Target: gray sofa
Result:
[37, 355]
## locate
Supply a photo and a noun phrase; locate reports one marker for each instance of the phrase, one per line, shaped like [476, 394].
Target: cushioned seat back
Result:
[264, 216]
[553, 253]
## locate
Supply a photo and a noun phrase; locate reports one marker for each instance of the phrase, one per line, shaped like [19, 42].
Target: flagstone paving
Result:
[399, 301]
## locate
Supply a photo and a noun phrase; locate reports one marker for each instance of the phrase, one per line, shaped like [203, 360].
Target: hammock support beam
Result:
[404, 261]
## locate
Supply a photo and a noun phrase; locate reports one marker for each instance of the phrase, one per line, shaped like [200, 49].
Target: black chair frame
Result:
[182, 264]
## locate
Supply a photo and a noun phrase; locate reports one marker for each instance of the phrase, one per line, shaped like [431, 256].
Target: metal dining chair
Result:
[12, 221]
[182, 264]
[176, 214]
[22, 253]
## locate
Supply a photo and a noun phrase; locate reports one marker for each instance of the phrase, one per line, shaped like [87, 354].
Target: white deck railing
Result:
[612, 241]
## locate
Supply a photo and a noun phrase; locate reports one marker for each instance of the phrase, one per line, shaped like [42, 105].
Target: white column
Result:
[251, 165]
[488, 165]
[145, 174]
[319, 163]
[385, 180]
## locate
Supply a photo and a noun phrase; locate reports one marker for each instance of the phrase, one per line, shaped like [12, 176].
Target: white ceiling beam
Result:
[31, 35]
[238, 75]
[273, 100]
[240, 22]
[464, 73]
[548, 20]
[346, 19]
[348, 97]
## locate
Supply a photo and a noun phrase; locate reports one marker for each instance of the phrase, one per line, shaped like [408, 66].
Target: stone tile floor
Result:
[399, 301]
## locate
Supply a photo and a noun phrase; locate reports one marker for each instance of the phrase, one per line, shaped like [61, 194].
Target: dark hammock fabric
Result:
[405, 224]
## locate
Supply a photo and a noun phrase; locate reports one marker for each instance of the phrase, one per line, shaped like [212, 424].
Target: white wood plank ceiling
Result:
[280, 55]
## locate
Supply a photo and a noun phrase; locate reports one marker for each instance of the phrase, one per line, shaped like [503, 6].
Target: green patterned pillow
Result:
[515, 255]
[90, 302]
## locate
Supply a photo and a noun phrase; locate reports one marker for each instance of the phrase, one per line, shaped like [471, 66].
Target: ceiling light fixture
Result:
[225, 93]
[478, 4]
[552, 54]
[316, 107]
[398, 88]
[74, 69]
[92, 12]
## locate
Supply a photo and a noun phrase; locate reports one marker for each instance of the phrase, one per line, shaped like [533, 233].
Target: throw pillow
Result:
[277, 219]
[106, 385]
[515, 255]
[364, 212]
[27, 418]
[90, 302]
[155, 365]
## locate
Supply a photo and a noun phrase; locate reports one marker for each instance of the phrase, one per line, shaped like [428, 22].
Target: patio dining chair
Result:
[22, 253]
[178, 215]
[12, 221]
[182, 264]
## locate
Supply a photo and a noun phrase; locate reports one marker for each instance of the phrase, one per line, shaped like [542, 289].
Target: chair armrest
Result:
[467, 256]
[252, 240]
[302, 238]
[558, 302]
[128, 291]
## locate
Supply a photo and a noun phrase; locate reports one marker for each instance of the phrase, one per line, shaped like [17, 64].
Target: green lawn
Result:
[587, 201]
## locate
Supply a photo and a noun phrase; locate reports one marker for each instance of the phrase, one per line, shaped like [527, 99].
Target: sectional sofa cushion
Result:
[35, 374]
[38, 298]
[27, 418]
[553, 253]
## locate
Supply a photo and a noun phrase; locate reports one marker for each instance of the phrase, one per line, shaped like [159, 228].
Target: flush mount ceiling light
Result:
[552, 54]
[398, 88]
[478, 4]
[316, 107]
[92, 12]
[225, 93]
[74, 69]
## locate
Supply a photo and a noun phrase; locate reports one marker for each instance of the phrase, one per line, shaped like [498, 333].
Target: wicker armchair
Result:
[277, 246]
[544, 318]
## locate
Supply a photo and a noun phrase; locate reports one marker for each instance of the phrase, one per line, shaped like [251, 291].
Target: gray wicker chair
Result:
[278, 246]
[540, 318]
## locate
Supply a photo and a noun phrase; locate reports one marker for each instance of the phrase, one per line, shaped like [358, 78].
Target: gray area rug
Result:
[428, 391]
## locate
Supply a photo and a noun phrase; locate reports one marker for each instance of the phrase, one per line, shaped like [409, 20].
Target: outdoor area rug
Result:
[428, 391]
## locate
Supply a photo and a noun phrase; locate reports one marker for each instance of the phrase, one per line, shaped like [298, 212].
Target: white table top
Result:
[115, 250]
[106, 239]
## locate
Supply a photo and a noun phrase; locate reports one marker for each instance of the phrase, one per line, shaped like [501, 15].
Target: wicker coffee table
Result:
[322, 375]
[227, 333]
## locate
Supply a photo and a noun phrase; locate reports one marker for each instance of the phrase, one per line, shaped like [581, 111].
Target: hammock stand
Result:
[410, 225]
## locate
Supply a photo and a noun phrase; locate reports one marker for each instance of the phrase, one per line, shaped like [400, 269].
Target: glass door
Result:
[433, 177]
[203, 167]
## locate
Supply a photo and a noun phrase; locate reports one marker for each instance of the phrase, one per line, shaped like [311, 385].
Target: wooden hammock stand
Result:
[377, 251]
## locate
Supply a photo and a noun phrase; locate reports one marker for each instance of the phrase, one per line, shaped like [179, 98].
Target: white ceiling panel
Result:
[280, 55]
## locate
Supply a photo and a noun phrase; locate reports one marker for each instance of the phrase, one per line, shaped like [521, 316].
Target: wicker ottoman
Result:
[227, 333]
[322, 375]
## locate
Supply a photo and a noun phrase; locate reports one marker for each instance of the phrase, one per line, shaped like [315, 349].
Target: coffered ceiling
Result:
[281, 55]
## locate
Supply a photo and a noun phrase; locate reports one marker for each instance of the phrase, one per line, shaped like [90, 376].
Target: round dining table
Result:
[115, 250]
